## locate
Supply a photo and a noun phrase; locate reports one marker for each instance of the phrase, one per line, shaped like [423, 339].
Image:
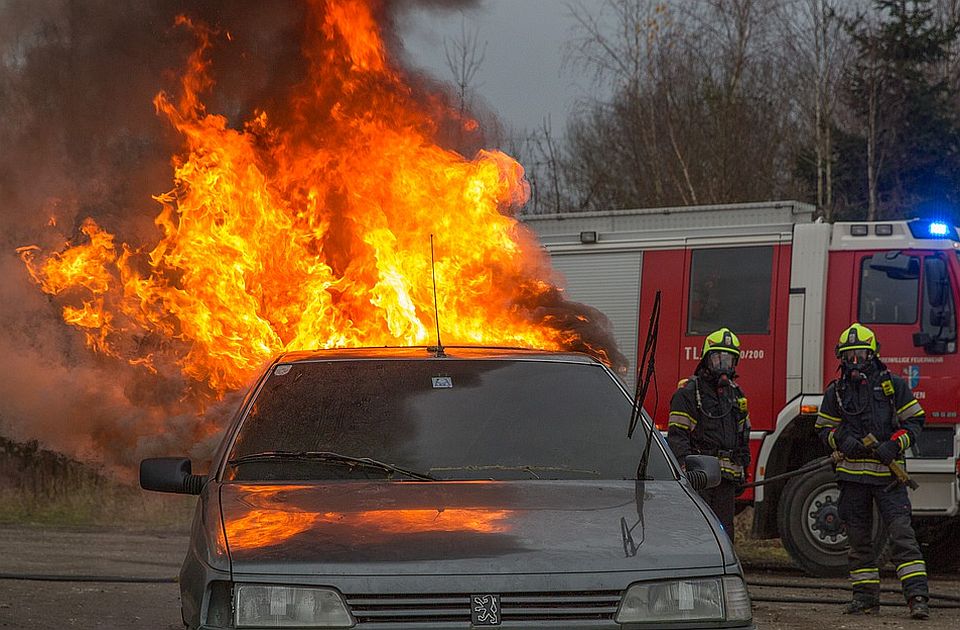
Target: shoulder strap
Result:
[886, 384]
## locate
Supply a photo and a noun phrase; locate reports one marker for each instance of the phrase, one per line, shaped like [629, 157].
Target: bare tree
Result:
[815, 51]
[465, 56]
[696, 108]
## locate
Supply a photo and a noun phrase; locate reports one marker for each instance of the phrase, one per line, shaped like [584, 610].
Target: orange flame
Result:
[312, 232]
[263, 527]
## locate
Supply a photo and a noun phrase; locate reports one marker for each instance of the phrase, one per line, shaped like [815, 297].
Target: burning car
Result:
[449, 487]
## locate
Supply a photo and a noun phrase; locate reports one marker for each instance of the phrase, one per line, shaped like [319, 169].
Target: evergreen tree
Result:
[910, 146]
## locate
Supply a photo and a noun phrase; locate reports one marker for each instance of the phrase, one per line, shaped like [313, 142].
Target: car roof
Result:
[430, 353]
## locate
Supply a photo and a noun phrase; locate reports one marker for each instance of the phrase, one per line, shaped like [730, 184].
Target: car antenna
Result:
[436, 308]
[648, 360]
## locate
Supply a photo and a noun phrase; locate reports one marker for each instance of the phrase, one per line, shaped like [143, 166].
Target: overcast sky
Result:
[521, 77]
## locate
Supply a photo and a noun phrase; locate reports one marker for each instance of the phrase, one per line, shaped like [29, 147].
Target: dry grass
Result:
[756, 552]
[44, 488]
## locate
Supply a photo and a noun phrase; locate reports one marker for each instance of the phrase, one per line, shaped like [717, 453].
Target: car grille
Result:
[415, 609]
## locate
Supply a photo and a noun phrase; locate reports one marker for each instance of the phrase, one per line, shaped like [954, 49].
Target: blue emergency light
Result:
[925, 228]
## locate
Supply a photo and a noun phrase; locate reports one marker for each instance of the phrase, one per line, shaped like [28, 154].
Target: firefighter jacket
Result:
[708, 421]
[883, 405]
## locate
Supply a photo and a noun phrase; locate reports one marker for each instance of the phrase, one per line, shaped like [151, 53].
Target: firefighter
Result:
[867, 399]
[708, 416]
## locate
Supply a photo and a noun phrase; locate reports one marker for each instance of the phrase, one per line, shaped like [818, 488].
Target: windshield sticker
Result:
[281, 370]
[442, 382]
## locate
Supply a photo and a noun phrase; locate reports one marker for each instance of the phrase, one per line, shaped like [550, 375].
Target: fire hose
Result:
[809, 467]
[838, 587]
[870, 442]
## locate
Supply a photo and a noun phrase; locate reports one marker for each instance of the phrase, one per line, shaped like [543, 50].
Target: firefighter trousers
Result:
[856, 509]
[722, 500]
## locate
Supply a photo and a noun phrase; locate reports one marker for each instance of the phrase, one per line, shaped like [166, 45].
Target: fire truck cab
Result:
[787, 286]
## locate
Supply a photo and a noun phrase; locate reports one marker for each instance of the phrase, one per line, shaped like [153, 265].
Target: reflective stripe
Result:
[904, 441]
[681, 420]
[909, 410]
[832, 439]
[864, 467]
[824, 421]
[911, 569]
[865, 576]
[727, 465]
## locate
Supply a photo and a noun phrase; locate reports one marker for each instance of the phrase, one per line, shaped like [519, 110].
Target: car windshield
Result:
[439, 418]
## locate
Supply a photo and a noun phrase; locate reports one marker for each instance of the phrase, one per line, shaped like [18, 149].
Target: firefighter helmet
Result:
[724, 340]
[857, 337]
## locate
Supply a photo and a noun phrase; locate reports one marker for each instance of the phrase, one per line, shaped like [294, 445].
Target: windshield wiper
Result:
[327, 456]
[647, 360]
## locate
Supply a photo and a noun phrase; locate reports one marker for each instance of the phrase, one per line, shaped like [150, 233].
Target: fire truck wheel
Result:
[810, 526]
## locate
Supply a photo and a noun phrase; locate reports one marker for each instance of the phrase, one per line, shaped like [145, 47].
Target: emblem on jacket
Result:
[887, 386]
[485, 610]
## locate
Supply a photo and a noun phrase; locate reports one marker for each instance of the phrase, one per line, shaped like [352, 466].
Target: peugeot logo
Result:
[485, 610]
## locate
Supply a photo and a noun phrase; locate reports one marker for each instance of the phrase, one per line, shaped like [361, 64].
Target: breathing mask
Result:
[856, 364]
[721, 365]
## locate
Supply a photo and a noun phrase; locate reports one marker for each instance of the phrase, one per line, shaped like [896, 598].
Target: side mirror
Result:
[170, 474]
[931, 344]
[703, 471]
[937, 283]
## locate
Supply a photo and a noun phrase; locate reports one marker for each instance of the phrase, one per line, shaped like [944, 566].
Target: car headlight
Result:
[275, 606]
[693, 599]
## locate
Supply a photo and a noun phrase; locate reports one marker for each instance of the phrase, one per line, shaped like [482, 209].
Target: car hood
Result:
[458, 528]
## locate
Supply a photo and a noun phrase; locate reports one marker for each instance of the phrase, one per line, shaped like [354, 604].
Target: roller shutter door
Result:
[610, 282]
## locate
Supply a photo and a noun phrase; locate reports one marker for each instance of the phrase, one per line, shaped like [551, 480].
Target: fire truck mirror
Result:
[896, 265]
[937, 285]
[931, 344]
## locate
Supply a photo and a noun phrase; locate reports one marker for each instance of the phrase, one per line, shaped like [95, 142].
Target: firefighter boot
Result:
[919, 609]
[862, 607]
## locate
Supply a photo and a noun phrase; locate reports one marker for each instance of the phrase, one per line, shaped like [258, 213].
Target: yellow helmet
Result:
[857, 337]
[722, 339]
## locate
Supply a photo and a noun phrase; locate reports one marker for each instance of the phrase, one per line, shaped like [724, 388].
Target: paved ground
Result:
[40, 605]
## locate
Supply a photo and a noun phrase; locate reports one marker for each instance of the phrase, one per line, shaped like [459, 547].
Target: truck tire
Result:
[810, 527]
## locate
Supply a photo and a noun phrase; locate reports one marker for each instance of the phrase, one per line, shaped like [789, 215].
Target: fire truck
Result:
[787, 285]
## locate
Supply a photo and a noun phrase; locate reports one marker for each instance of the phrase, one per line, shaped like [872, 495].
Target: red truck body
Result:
[788, 287]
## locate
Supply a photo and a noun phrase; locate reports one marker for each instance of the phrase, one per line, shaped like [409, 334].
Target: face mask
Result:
[856, 363]
[721, 365]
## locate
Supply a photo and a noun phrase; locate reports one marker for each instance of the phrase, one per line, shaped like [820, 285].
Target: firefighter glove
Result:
[887, 452]
[851, 447]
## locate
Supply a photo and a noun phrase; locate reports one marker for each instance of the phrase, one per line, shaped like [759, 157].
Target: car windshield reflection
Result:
[421, 420]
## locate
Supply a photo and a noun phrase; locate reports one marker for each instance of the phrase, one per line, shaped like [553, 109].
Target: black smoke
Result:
[80, 137]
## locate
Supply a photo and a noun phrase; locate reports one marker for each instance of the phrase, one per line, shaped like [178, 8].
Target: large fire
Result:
[310, 227]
